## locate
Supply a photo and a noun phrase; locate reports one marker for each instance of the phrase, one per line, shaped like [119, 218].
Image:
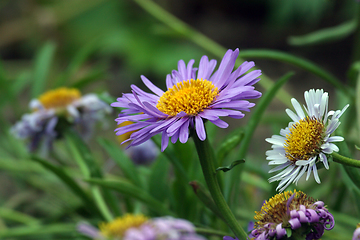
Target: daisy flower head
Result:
[139, 227]
[194, 95]
[292, 215]
[306, 141]
[55, 109]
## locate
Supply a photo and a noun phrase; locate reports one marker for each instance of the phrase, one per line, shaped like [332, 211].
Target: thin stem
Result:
[202, 41]
[207, 160]
[345, 160]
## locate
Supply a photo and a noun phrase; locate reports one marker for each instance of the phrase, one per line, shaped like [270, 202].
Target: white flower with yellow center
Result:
[306, 141]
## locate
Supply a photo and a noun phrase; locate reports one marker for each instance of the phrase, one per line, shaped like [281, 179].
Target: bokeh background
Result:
[105, 45]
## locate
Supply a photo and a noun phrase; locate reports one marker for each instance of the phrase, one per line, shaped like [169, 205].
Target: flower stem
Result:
[207, 159]
[345, 160]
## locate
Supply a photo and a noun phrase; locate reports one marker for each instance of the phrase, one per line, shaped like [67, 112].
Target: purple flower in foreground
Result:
[138, 227]
[356, 235]
[292, 213]
[194, 95]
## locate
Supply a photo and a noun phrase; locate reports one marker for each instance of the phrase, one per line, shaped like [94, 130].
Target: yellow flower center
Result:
[275, 211]
[59, 98]
[190, 96]
[119, 226]
[305, 139]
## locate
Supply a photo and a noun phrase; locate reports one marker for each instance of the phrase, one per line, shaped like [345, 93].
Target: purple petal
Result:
[200, 129]
[151, 86]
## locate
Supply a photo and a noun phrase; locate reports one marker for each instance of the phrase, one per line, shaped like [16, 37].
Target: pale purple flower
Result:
[41, 126]
[162, 228]
[306, 141]
[356, 235]
[194, 95]
[144, 153]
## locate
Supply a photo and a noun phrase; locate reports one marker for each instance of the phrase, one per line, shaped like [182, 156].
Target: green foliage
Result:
[103, 46]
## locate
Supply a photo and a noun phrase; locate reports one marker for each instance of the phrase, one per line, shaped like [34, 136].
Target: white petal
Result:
[292, 115]
[335, 139]
[298, 108]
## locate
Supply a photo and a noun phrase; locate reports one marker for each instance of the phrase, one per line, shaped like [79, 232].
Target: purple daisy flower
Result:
[305, 217]
[194, 95]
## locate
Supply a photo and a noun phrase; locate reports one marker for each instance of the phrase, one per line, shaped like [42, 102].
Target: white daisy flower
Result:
[306, 141]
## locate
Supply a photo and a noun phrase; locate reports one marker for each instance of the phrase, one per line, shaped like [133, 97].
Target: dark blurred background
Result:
[124, 41]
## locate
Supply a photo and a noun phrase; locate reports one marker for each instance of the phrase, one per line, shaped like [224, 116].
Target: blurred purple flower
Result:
[356, 235]
[136, 227]
[194, 95]
[55, 108]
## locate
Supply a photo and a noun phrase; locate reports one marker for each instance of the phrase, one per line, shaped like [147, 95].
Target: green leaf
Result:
[228, 168]
[288, 232]
[122, 160]
[69, 182]
[39, 230]
[299, 62]
[76, 62]
[42, 67]
[205, 197]
[130, 190]
[256, 116]
[11, 214]
[228, 145]
[91, 77]
[321, 36]
[158, 180]
[90, 168]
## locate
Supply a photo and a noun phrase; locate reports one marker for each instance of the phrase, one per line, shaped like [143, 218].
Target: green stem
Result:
[202, 41]
[345, 160]
[207, 160]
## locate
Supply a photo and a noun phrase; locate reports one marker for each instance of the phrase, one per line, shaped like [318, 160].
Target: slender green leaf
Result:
[122, 160]
[324, 35]
[130, 190]
[11, 214]
[251, 126]
[158, 180]
[69, 182]
[299, 62]
[201, 40]
[76, 62]
[91, 77]
[90, 168]
[42, 67]
[37, 230]
[228, 145]
[228, 168]
[205, 197]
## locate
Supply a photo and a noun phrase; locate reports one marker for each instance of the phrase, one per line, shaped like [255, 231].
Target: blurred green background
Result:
[105, 45]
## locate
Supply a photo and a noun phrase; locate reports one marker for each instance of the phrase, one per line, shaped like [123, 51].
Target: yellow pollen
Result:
[120, 225]
[275, 210]
[190, 96]
[59, 98]
[305, 139]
